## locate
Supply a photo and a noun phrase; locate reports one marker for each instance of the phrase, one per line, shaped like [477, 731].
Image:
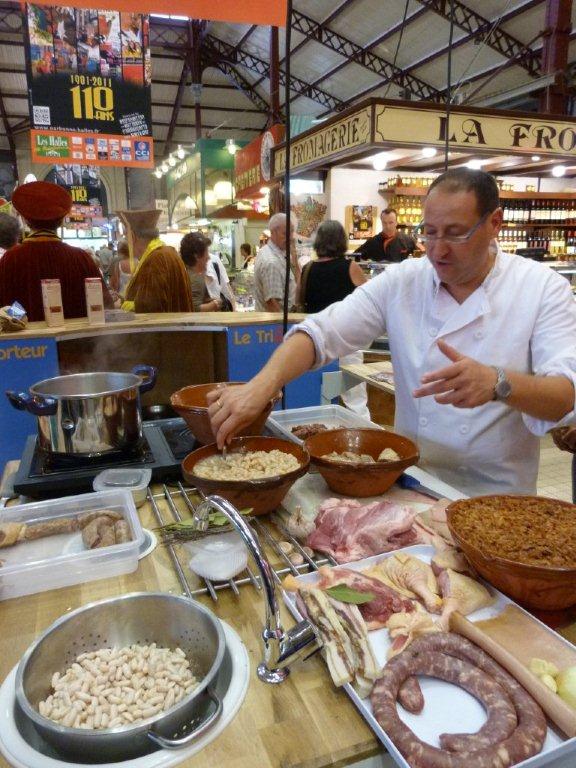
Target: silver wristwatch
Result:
[503, 388]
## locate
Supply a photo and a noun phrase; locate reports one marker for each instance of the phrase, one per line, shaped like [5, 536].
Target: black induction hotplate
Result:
[165, 443]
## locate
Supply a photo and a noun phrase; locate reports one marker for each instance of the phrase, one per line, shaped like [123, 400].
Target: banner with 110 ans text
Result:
[89, 81]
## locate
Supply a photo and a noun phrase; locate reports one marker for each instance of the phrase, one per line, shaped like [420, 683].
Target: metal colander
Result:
[167, 620]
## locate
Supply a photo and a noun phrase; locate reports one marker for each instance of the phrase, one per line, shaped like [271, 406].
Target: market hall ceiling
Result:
[341, 52]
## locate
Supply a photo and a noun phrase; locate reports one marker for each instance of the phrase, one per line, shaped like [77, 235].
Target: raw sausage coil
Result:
[471, 668]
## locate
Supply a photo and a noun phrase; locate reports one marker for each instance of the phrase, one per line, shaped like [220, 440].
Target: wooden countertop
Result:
[152, 321]
[302, 723]
[364, 371]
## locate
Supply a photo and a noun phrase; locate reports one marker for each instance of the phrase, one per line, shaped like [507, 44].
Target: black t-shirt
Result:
[327, 282]
[396, 249]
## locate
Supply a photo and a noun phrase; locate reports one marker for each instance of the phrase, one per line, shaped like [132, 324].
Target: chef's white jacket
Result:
[522, 318]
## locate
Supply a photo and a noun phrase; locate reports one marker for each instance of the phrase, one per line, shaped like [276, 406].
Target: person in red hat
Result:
[43, 255]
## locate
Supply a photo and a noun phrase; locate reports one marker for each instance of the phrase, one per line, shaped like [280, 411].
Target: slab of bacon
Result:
[348, 530]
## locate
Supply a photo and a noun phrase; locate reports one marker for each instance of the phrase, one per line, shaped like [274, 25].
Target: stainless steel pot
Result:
[88, 414]
[142, 617]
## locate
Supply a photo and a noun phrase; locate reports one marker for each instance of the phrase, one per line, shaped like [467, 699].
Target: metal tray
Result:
[333, 416]
[453, 709]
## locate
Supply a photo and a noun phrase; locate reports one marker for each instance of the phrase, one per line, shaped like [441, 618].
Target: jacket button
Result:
[464, 429]
[478, 334]
[433, 331]
[423, 421]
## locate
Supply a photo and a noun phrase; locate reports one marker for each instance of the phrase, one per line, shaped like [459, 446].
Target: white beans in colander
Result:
[112, 687]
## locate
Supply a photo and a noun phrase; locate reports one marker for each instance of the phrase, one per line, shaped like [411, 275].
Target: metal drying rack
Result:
[212, 587]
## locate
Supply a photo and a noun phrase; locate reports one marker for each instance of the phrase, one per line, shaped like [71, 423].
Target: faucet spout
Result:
[281, 647]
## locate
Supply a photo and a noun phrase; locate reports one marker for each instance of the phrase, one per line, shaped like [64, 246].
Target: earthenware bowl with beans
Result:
[256, 473]
[190, 403]
[171, 642]
[333, 453]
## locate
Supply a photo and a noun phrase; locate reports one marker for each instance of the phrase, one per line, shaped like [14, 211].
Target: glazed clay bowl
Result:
[535, 586]
[260, 495]
[360, 480]
[190, 403]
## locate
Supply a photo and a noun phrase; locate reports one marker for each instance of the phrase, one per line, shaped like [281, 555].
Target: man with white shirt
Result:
[218, 282]
[483, 345]
[270, 268]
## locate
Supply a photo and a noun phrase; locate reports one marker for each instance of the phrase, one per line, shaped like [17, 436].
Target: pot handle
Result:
[166, 743]
[34, 405]
[18, 400]
[149, 374]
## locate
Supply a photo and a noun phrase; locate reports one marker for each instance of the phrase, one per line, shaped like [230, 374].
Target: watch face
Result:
[503, 389]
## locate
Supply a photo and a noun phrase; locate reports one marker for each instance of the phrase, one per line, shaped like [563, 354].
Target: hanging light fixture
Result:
[158, 173]
[190, 203]
[223, 190]
[557, 171]
[380, 161]
[429, 152]
[164, 167]
[172, 161]
[231, 146]
[181, 152]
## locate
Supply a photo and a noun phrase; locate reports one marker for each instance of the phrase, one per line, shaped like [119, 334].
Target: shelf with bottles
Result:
[555, 241]
[408, 208]
[536, 211]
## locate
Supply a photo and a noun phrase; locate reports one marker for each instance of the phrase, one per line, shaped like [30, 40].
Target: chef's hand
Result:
[465, 383]
[565, 438]
[233, 408]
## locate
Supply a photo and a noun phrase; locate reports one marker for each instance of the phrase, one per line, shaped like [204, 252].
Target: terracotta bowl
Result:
[190, 403]
[360, 479]
[535, 586]
[261, 496]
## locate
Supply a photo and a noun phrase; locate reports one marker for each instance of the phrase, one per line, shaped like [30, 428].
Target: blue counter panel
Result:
[22, 363]
[250, 347]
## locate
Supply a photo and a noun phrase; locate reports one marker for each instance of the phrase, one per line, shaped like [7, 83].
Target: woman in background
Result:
[246, 253]
[194, 253]
[120, 272]
[330, 278]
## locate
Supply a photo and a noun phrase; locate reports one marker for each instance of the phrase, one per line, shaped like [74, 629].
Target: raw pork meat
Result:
[348, 531]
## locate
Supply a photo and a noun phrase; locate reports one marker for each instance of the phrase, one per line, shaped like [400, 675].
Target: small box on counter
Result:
[94, 301]
[52, 301]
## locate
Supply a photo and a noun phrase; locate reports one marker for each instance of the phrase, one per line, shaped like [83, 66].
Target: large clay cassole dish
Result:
[448, 709]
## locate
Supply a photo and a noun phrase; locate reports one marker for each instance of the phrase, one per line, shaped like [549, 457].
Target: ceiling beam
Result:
[246, 35]
[224, 52]
[240, 110]
[378, 41]
[474, 37]
[351, 51]
[238, 80]
[475, 24]
[176, 107]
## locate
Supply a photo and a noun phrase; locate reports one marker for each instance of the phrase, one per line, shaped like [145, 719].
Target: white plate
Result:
[21, 754]
[448, 708]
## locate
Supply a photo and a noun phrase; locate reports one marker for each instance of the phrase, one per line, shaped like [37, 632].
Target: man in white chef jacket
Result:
[483, 345]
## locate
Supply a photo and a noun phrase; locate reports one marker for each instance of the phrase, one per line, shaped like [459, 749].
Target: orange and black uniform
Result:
[379, 248]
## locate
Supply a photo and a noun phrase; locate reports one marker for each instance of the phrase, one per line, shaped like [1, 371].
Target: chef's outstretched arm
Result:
[466, 383]
[232, 408]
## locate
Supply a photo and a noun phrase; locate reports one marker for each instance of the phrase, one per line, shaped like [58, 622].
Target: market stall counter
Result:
[191, 348]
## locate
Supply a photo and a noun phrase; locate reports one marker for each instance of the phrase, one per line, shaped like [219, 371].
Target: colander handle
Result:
[165, 743]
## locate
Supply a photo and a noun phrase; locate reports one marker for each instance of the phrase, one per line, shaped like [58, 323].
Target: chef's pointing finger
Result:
[450, 372]
[436, 388]
[450, 352]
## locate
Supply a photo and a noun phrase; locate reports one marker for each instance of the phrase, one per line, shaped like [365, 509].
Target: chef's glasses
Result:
[453, 239]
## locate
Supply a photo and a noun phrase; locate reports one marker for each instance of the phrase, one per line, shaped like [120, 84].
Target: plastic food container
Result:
[133, 479]
[62, 560]
[332, 416]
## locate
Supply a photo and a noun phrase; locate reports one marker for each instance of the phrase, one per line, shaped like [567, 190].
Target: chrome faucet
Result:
[281, 647]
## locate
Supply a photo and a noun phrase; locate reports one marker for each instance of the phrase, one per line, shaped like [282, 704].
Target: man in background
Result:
[389, 244]
[270, 268]
[106, 257]
[9, 232]
[42, 255]
[159, 282]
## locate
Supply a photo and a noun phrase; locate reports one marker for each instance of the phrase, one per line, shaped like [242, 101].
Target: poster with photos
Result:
[89, 81]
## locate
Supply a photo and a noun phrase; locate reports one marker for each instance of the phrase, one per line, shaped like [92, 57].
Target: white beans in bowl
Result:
[113, 687]
[252, 465]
